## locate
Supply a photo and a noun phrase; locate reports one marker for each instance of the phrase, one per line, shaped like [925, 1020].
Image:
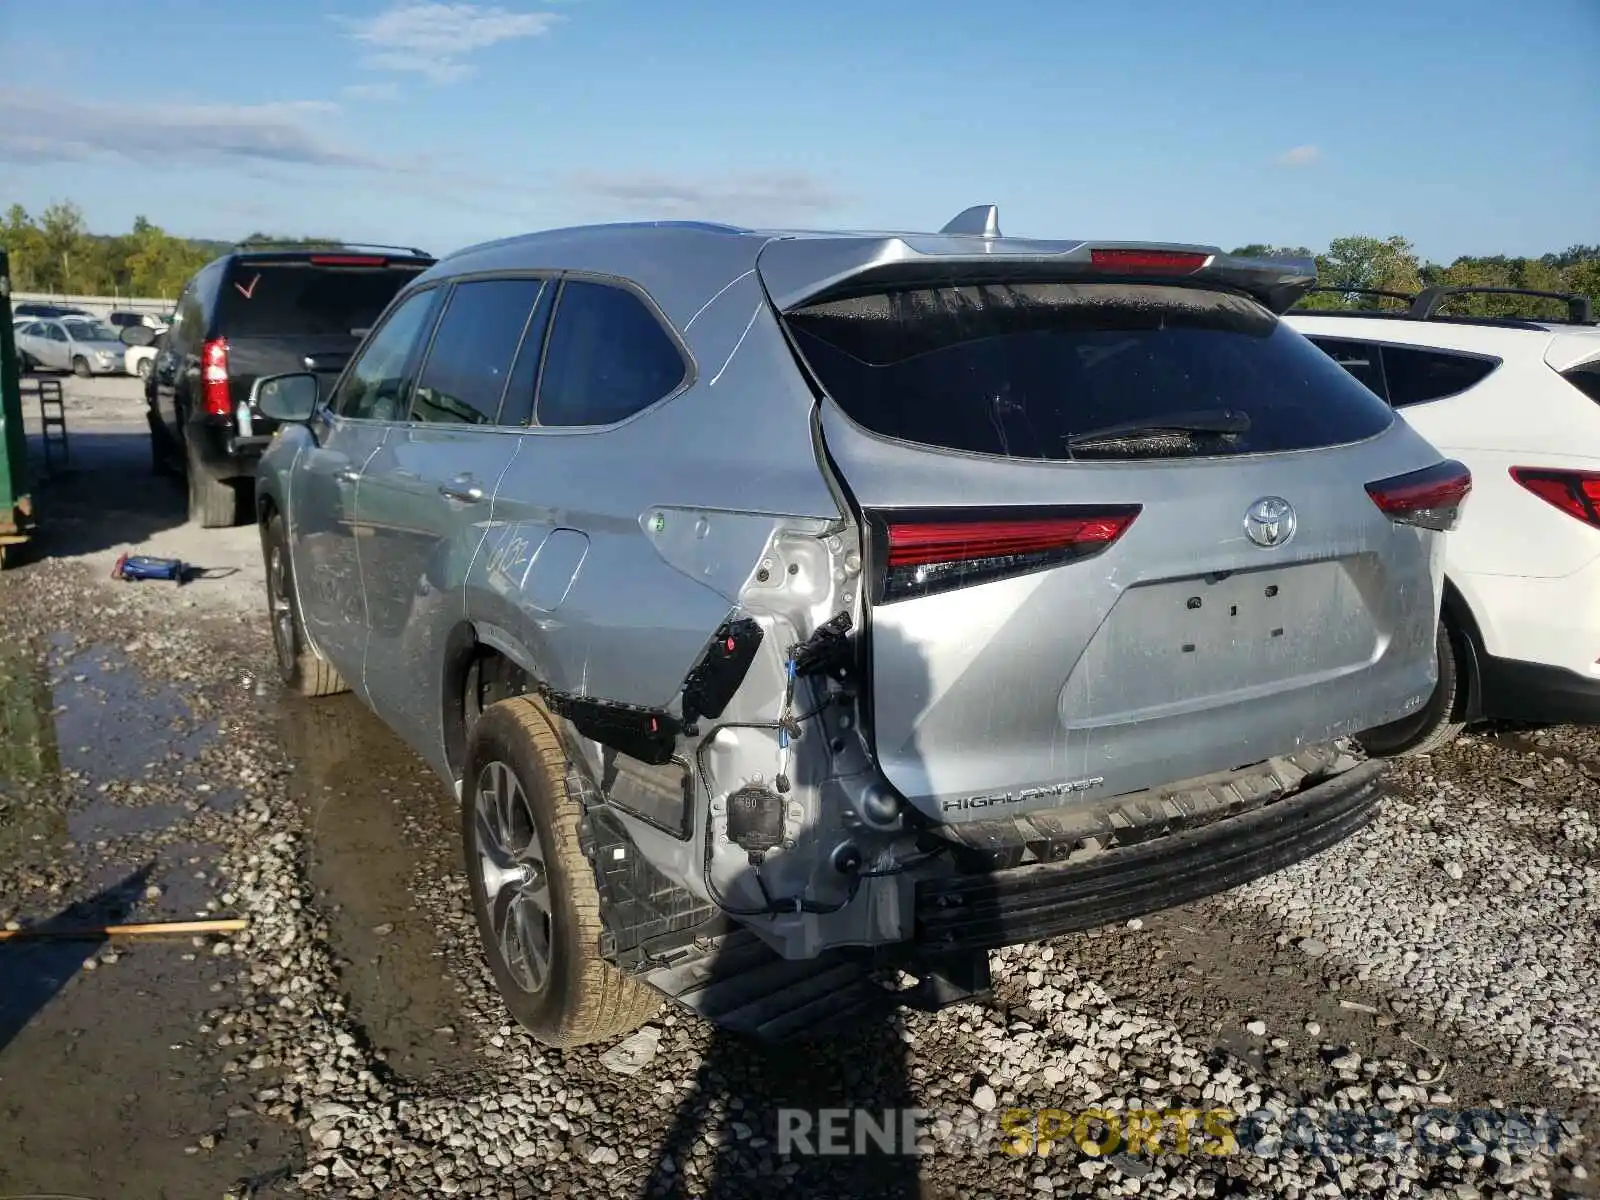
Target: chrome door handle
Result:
[347, 475]
[466, 493]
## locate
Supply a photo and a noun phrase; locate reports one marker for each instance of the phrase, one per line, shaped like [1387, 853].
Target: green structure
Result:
[16, 499]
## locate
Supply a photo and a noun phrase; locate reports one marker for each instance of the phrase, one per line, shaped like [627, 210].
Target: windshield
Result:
[90, 331]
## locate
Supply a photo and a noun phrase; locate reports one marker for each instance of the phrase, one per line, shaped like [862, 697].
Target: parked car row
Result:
[785, 606]
[64, 338]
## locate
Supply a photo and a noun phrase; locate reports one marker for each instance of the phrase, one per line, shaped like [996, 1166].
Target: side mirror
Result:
[137, 335]
[285, 397]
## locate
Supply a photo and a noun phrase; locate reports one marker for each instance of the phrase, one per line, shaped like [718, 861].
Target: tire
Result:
[80, 367]
[302, 670]
[142, 368]
[213, 504]
[160, 456]
[1438, 722]
[25, 364]
[579, 998]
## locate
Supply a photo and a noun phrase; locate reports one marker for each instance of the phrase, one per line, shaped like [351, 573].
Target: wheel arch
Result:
[480, 666]
[1467, 641]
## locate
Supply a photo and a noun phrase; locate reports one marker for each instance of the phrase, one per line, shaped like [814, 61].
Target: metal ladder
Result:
[52, 416]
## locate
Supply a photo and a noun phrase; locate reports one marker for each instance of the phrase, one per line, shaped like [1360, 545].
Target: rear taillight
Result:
[348, 260]
[1163, 262]
[1576, 493]
[214, 377]
[934, 550]
[1430, 498]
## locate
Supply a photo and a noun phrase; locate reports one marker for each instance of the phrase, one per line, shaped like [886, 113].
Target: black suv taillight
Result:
[1430, 498]
[924, 551]
[1576, 493]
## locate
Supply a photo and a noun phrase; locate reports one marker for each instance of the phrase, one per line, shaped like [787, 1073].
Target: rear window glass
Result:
[305, 300]
[1025, 370]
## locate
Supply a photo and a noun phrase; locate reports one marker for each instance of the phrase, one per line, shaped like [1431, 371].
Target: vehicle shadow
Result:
[36, 970]
[818, 1113]
[100, 493]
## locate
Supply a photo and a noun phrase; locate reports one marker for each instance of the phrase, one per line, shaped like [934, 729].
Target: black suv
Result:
[251, 313]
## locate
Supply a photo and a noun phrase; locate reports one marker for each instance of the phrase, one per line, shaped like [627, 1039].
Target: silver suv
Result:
[789, 607]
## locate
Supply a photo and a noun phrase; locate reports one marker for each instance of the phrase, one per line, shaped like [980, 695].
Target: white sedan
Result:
[81, 345]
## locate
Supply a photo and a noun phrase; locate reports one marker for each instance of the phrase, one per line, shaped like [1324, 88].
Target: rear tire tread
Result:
[313, 676]
[213, 503]
[1445, 705]
[602, 1003]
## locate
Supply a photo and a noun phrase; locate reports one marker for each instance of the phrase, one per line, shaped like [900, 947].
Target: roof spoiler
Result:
[801, 271]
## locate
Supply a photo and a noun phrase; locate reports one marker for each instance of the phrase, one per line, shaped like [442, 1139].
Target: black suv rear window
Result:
[301, 299]
[1021, 369]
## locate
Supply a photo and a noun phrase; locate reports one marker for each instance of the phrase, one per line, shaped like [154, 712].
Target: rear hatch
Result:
[1118, 532]
[308, 312]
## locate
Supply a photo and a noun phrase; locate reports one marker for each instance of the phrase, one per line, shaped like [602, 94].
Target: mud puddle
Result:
[108, 1087]
[378, 825]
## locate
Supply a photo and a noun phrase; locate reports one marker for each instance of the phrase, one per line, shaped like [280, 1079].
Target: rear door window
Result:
[306, 299]
[1416, 375]
[473, 351]
[1021, 370]
[608, 357]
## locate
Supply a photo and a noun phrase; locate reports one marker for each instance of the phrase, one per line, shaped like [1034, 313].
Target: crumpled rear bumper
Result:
[1002, 907]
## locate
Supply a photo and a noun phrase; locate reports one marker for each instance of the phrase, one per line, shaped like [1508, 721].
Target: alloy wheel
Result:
[516, 888]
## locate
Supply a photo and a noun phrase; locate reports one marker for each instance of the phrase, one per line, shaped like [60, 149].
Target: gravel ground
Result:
[348, 1043]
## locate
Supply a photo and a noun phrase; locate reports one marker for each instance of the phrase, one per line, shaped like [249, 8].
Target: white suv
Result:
[1517, 401]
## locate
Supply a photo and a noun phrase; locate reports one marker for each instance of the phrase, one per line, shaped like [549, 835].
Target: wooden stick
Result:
[220, 925]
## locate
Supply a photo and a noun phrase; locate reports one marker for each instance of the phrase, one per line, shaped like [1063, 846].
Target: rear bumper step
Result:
[1043, 900]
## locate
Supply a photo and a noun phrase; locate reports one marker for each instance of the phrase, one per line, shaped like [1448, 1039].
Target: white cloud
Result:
[1300, 156]
[750, 196]
[372, 91]
[435, 40]
[38, 127]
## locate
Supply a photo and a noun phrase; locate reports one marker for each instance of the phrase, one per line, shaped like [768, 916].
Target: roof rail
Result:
[981, 220]
[1408, 297]
[1426, 306]
[330, 244]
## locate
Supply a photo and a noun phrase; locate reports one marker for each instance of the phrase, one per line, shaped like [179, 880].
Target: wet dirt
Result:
[107, 1085]
[370, 808]
[102, 772]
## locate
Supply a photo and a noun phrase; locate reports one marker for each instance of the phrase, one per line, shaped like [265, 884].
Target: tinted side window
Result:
[1416, 376]
[473, 350]
[607, 358]
[377, 387]
[517, 406]
[190, 325]
[1051, 371]
[1361, 359]
[1586, 378]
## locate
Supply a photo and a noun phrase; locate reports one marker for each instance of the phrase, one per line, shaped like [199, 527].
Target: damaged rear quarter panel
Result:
[615, 619]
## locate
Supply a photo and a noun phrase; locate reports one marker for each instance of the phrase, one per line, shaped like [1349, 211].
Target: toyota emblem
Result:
[1270, 521]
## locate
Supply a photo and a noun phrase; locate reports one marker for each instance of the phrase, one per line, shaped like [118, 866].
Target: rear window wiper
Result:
[1209, 420]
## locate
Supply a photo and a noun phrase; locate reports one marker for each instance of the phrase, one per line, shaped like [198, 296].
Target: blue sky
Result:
[1469, 126]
